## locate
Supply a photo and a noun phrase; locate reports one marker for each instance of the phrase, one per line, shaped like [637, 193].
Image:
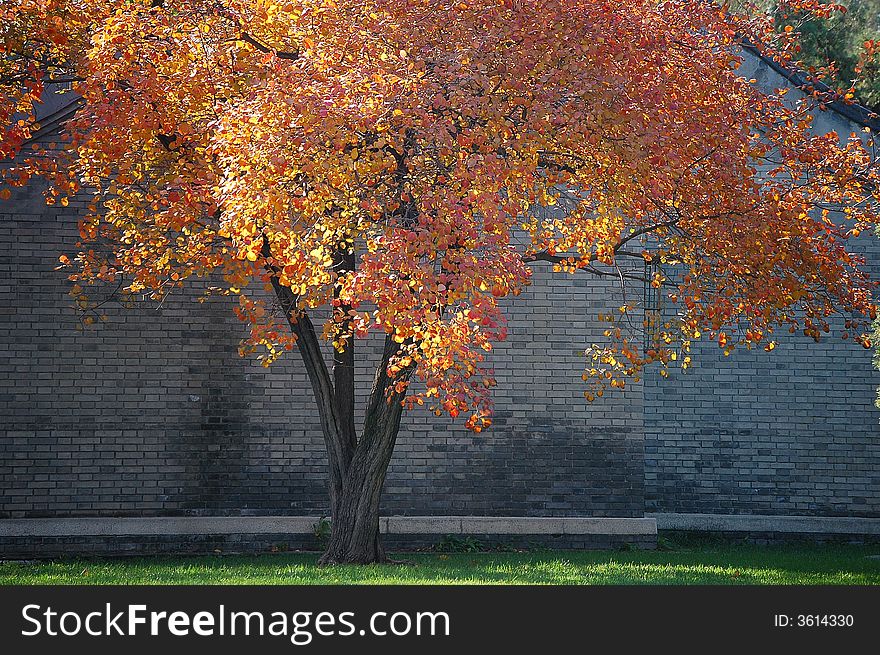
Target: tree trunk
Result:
[354, 528]
[357, 466]
[354, 536]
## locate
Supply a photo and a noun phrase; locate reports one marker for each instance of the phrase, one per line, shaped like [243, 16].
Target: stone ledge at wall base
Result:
[51, 538]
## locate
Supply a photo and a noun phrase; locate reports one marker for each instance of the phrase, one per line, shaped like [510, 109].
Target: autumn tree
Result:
[399, 167]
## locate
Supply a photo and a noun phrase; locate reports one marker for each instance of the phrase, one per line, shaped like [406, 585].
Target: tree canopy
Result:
[405, 164]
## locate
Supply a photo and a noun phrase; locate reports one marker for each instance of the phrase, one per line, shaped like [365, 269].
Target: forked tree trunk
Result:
[354, 536]
[354, 528]
[357, 466]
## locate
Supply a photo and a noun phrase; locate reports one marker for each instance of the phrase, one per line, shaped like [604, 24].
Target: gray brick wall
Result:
[793, 431]
[154, 413]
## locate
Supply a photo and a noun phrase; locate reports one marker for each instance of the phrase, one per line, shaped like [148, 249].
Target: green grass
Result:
[700, 564]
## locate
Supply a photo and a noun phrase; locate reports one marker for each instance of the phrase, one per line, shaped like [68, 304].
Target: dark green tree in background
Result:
[839, 40]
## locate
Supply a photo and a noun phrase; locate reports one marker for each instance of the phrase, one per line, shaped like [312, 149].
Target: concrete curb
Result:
[182, 525]
[420, 525]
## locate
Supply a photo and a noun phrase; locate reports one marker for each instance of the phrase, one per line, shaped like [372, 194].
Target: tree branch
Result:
[281, 54]
[338, 450]
[343, 362]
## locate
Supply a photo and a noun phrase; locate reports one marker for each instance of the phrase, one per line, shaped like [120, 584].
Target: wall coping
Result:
[181, 525]
[767, 523]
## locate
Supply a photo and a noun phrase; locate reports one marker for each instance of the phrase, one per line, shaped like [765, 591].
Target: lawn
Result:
[678, 564]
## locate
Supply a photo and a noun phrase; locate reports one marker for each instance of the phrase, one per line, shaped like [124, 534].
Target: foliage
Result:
[322, 529]
[451, 543]
[717, 564]
[403, 165]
